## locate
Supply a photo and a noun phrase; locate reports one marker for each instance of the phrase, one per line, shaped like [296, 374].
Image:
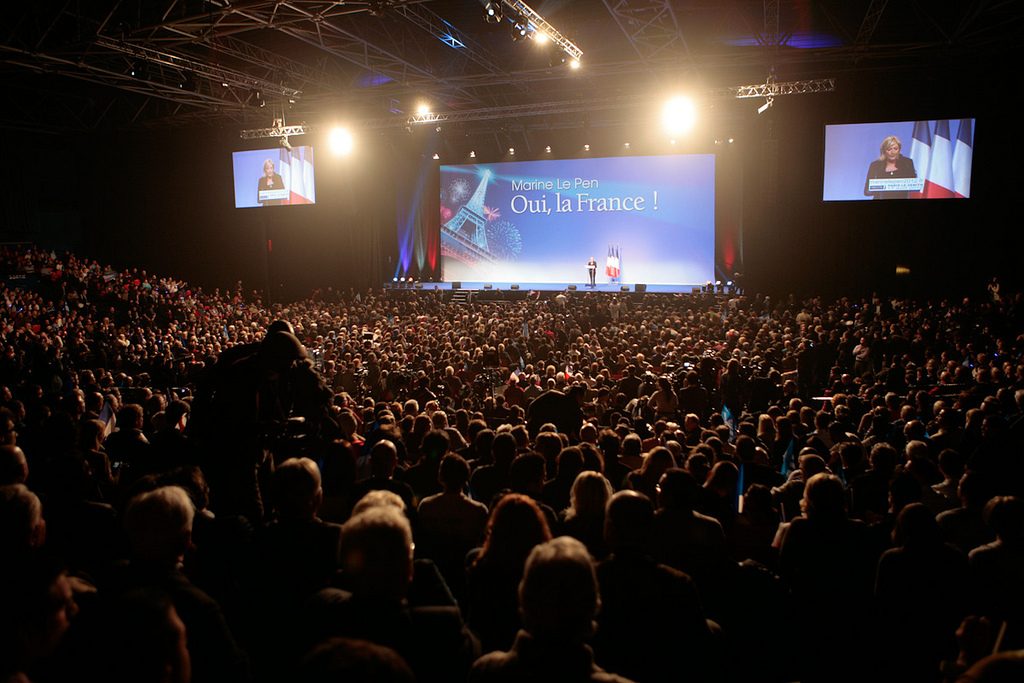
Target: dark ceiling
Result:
[94, 65]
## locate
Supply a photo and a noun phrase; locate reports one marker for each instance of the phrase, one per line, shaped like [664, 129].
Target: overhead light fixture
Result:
[547, 150]
[492, 12]
[472, 154]
[539, 37]
[340, 141]
[766, 106]
[586, 148]
[512, 151]
[422, 109]
[678, 115]
[730, 141]
[574, 63]
[436, 156]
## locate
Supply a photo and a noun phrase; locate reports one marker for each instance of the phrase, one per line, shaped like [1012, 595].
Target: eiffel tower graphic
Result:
[464, 236]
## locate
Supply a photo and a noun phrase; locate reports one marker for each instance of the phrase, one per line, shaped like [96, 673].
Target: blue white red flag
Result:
[921, 152]
[939, 181]
[962, 153]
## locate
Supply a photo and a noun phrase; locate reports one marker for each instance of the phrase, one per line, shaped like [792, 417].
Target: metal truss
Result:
[650, 25]
[274, 132]
[870, 21]
[774, 89]
[539, 23]
[223, 76]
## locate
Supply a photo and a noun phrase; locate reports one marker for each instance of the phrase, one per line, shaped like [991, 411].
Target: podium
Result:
[274, 195]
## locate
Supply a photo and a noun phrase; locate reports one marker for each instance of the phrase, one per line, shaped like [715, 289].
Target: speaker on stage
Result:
[572, 288]
[515, 287]
[624, 288]
[488, 286]
[641, 287]
[456, 284]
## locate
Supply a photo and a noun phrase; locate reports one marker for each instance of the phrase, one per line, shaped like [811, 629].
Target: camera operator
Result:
[243, 409]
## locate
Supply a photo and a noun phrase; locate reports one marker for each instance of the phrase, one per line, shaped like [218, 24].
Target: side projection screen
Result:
[274, 177]
[899, 160]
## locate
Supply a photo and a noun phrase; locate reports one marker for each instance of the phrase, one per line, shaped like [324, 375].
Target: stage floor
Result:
[609, 287]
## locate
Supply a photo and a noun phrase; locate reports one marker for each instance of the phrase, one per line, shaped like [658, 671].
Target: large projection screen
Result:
[643, 219]
[899, 160]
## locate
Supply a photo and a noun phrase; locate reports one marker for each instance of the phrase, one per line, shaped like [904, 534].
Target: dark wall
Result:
[796, 242]
[163, 199]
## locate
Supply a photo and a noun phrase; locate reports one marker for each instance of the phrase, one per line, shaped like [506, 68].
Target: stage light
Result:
[730, 141]
[340, 141]
[436, 156]
[764, 107]
[540, 37]
[626, 145]
[512, 150]
[472, 154]
[422, 109]
[519, 30]
[586, 148]
[574, 64]
[547, 150]
[492, 12]
[672, 142]
[679, 115]
[394, 279]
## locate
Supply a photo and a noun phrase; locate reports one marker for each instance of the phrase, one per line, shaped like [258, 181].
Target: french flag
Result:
[962, 153]
[921, 152]
[297, 173]
[939, 181]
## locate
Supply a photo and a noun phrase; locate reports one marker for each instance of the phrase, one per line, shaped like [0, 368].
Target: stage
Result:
[606, 287]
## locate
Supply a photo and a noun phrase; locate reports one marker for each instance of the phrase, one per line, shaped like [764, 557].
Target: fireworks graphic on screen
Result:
[459, 190]
[491, 214]
[504, 239]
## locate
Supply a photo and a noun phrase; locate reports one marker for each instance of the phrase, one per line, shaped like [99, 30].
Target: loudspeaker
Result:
[572, 288]
[456, 284]
[418, 285]
[641, 287]
[515, 287]
[624, 288]
[695, 291]
[488, 286]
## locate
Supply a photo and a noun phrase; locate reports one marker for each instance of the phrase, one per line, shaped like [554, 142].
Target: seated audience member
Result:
[687, 540]
[345, 659]
[557, 490]
[297, 553]
[826, 559]
[158, 525]
[920, 591]
[997, 568]
[965, 526]
[422, 476]
[36, 608]
[651, 620]
[645, 479]
[493, 572]
[13, 466]
[451, 523]
[140, 639]
[383, 461]
[377, 554]
[559, 599]
[488, 480]
[22, 527]
[584, 518]
[755, 527]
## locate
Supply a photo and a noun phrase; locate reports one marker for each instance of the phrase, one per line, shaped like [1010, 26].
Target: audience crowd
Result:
[392, 486]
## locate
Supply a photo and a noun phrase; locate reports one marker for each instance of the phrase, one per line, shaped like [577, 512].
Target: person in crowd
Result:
[559, 599]
[493, 572]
